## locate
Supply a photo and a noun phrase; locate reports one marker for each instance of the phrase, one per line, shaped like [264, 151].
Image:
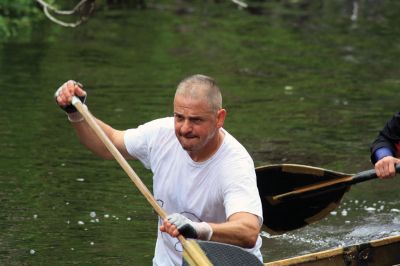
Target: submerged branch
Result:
[240, 3]
[84, 8]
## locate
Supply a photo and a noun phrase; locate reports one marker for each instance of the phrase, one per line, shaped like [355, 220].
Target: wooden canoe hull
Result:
[381, 252]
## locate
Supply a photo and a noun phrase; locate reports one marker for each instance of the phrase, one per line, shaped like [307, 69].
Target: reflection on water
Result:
[304, 82]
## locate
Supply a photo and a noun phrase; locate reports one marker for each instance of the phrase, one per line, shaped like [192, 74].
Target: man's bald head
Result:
[201, 87]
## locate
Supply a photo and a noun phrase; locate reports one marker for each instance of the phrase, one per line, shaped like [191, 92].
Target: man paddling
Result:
[385, 149]
[202, 175]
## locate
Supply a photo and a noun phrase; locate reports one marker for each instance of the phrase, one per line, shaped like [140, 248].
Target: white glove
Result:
[191, 229]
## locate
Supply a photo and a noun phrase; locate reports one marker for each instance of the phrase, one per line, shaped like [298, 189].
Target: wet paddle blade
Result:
[290, 214]
[193, 254]
[227, 255]
[295, 195]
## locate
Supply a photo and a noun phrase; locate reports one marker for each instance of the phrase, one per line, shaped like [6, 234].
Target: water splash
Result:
[353, 222]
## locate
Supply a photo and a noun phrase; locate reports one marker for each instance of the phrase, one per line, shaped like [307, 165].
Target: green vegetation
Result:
[17, 16]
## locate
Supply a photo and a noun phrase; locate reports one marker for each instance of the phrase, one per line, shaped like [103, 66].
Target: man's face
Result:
[196, 125]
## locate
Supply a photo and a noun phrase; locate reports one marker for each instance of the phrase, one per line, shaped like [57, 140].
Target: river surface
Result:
[306, 82]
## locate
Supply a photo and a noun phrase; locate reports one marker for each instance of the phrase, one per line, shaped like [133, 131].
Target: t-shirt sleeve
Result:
[241, 192]
[146, 141]
[138, 141]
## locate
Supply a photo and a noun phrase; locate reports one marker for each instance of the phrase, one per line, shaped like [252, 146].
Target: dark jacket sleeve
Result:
[387, 137]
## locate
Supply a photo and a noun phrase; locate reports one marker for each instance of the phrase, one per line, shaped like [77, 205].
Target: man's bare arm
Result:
[241, 229]
[85, 134]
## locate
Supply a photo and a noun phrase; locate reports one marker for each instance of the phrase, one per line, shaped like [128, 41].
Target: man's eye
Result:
[178, 118]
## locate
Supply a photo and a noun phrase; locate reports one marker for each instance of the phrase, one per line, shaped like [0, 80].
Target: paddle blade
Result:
[227, 255]
[290, 214]
[193, 254]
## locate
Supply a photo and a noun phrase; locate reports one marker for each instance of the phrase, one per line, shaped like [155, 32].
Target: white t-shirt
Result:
[209, 191]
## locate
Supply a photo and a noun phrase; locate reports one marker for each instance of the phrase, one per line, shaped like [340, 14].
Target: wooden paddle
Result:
[193, 254]
[296, 195]
[218, 253]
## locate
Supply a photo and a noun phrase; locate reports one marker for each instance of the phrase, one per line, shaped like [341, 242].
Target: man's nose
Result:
[186, 127]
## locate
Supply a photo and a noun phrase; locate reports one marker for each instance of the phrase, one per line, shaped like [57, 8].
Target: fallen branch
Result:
[240, 3]
[84, 8]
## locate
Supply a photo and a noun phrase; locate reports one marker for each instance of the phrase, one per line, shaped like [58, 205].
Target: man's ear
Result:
[221, 114]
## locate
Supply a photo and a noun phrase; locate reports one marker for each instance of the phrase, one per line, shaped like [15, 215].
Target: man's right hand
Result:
[386, 167]
[64, 94]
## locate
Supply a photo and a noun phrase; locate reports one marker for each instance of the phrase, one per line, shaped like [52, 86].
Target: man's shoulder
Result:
[235, 156]
[165, 122]
[159, 128]
[153, 128]
[234, 146]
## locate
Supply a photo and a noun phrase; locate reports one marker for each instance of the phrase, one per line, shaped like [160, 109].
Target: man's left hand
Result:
[176, 224]
[386, 167]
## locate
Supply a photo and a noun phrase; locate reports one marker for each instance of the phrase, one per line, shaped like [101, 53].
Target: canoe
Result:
[381, 252]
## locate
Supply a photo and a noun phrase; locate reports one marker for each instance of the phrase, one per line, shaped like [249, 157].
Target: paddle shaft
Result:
[196, 256]
[348, 180]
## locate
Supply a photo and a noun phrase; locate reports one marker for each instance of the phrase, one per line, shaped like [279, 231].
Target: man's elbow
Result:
[103, 154]
[250, 241]
[107, 155]
[250, 229]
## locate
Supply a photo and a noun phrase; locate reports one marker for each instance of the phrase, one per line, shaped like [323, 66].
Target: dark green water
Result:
[302, 83]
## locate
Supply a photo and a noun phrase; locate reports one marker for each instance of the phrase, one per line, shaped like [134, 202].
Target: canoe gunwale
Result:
[347, 253]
